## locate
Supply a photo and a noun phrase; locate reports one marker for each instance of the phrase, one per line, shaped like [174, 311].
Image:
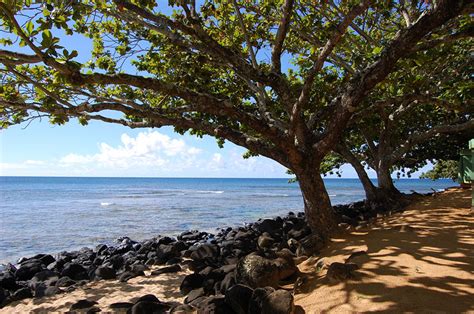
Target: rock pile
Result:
[238, 270]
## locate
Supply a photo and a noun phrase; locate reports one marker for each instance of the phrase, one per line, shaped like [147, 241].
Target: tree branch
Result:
[280, 36]
[417, 138]
[297, 126]
[401, 46]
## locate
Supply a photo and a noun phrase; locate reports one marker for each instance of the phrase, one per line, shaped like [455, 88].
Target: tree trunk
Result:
[385, 181]
[317, 206]
[369, 188]
[387, 197]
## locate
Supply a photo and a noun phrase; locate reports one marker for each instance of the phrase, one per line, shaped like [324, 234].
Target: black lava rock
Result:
[105, 272]
[169, 269]
[191, 282]
[238, 297]
[75, 271]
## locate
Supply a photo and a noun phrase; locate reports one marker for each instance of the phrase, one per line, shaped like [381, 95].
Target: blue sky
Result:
[100, 149]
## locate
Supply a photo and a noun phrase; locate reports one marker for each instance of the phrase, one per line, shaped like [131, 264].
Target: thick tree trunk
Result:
[318, 210]
[385, 181]
[387, 196]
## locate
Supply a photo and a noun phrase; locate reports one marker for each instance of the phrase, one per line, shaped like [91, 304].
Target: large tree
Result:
[421, 113]
[218, 68]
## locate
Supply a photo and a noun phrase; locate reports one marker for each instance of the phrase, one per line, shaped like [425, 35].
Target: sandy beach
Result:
[419, 260]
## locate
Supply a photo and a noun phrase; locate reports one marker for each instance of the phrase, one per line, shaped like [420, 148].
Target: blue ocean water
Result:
[52, 214]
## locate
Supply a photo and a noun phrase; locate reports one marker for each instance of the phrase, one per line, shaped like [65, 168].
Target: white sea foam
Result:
[205, 191]
[270, 194]
[105, 204]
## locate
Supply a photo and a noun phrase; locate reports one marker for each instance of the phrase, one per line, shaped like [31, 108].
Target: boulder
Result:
[205, 252]
[166, 252]
[258, 299]
[227, 282]
[45, 275]
[238, 297]
[338, 272]
[257, 271]
[7, 281]
[169, 269]
[268, 225]
[213, 305]
[191, 282]
[75, 271]
[127, 275]
[149, 307]
[105, 272]
[116, 261]
[194, 294]
[41, 290]
[265, 241]
[65, 282]
[22, 293]
[28, 269]
[82, 304]
[310, 245]
[4, 294]
[138, 268]
[121, 306]
[278, 302]
[183, 309]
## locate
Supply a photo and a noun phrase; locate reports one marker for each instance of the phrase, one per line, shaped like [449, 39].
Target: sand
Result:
[421, 260]
[106, 292]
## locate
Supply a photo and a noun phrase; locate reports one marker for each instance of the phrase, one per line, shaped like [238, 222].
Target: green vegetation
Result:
[443, 169]
[219, 68]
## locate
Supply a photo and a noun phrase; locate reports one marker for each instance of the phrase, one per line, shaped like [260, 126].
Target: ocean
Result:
[53, 214]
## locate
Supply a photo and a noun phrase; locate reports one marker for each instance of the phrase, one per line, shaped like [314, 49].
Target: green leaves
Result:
[47, 39]
[29, 28]
[68, 56]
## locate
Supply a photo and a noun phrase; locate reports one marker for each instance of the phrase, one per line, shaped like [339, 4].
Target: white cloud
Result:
[147, 149]
[151, 154]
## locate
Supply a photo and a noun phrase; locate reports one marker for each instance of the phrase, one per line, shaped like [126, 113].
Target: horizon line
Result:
[143, 177]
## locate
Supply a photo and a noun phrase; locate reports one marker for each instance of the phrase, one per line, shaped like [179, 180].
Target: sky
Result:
[100, 149]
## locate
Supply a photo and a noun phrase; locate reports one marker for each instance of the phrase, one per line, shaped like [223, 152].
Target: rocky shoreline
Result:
[237, 270]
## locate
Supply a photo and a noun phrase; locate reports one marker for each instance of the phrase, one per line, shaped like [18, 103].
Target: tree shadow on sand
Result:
[104, 290]
[419, 260]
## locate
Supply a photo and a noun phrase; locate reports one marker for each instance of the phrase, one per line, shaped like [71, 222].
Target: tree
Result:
[421, 113]
[443, 169]
[217, 69]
